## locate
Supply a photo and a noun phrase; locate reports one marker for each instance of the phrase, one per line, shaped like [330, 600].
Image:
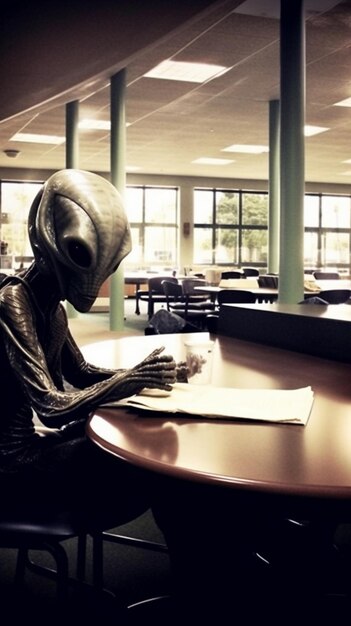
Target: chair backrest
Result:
[326, 275]
[188, 285]
[231, 274]
[235, 295]
[155, 283]
[335, 296]
[269, 281]
[250, 271]
[173, 291]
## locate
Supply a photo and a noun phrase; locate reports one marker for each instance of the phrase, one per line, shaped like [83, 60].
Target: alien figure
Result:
[79, 234]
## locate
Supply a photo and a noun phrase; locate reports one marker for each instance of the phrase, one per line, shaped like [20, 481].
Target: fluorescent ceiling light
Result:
[88, 124]
[247, 148]
[314, 130]
[183, 71]
[343, 103]
[33, 138]
[209, 161]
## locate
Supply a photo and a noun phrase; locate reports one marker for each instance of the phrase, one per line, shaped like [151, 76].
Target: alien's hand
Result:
[156, 371]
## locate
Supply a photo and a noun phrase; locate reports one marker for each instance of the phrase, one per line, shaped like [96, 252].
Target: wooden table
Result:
[137, 279]
[303, 469]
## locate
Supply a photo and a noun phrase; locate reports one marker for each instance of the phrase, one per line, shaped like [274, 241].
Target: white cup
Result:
[199, 356]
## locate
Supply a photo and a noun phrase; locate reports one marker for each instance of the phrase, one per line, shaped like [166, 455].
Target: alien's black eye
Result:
[79, 253]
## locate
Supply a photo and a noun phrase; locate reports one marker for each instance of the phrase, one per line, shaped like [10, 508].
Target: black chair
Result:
[192, 311]
[238, 296]
[175, 298]
[250, 271]
[154, 293]
[269, 281]
[35, 532]
[321, 275]
[194, 299]
[197, 305]
[44, 531]
[228, 296]
[335, 296]
[231, 274]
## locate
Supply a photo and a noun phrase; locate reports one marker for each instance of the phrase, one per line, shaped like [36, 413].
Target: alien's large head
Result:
[79, 233]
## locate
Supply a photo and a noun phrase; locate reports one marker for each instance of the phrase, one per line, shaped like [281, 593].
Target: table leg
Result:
[137, 287]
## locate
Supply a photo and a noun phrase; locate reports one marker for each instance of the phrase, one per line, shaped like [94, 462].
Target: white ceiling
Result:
[173, 123]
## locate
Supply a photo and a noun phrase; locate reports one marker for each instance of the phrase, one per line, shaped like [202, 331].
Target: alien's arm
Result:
[79, 372]
[54, 405]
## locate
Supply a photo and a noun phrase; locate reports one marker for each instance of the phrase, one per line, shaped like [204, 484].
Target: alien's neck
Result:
[44, 288]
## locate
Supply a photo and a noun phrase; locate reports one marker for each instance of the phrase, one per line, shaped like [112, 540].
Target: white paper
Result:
[271, 405]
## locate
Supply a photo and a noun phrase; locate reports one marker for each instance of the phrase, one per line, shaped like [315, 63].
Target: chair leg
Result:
[81, 557]
[98, 566]
[98, 555]
[60, 574]
[21, 562]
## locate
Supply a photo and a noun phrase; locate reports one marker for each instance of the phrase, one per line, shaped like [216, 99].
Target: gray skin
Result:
[79, 234]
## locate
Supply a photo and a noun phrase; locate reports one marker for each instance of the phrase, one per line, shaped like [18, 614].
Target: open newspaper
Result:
[291, 406]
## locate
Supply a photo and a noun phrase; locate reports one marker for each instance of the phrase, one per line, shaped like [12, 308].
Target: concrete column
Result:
[72, 156]
[292, 164]
[186, 217]
[274, 187]
[118, 179]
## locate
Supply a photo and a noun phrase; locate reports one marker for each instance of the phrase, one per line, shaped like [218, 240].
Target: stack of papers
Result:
[291, 406]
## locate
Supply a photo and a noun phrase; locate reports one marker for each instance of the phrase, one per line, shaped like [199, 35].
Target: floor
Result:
[95, 326]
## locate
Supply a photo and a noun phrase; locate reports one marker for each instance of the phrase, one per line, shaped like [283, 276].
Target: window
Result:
[230, 227]
[327, 231]
[16, 200]
[153, 216]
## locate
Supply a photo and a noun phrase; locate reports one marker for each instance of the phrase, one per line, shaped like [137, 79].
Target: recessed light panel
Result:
[210, 161]
[314, 130]
[343, 103]
[246, 148]
[183, 71]
[88, 124]
[33, 138]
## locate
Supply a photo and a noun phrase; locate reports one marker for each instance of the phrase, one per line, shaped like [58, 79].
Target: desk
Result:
[271, 295]
[137, 279]
[300, 467]
[262, 293]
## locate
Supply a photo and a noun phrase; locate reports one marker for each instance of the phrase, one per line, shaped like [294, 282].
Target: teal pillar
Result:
[72, 155]
[274, 187]
[118, 179]
[292, 166]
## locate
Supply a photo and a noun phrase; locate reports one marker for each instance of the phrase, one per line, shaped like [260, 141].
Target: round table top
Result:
[289, 459]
